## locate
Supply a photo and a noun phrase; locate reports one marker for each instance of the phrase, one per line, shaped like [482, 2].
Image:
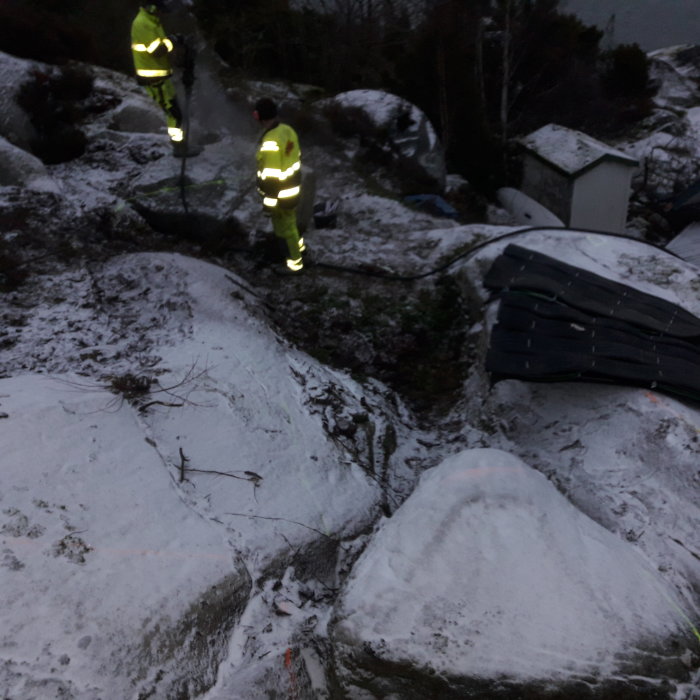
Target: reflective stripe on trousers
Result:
[164, 95]
[284, 224]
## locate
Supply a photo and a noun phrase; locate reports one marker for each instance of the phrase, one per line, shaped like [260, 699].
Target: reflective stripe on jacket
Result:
[147, 36]
[279, 167]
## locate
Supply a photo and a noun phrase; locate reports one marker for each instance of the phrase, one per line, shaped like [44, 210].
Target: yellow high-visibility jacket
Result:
[150, 47]
[279, 167]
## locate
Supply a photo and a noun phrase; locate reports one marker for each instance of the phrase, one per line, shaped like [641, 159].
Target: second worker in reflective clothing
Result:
[279, 179]
[151, 50]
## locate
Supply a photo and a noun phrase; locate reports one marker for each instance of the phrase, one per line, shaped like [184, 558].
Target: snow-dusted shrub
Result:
[52, 101]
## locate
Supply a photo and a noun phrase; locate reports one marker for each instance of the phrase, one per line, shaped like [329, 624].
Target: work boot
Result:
[292, 268]
[284, 271]
[185, 150]
[295, 264]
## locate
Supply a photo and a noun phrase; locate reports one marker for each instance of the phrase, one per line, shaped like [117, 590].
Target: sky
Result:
[653, 24]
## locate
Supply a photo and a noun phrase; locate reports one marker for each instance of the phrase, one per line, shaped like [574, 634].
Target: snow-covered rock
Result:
[248, 409]
[644, 266]
[222, 455]
[486, 580]
[21, 169]
[625, 457]
[14, 124]
[167, 401]
[138, 115]
[408, 134]
[676, 70]
[202, 201]
[667, 146]
[111, 584]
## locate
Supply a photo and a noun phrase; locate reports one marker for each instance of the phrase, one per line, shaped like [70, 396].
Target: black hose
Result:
[484, 244]
[187, 82]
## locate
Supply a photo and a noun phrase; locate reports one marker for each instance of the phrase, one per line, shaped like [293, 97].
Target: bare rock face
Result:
[487, 580]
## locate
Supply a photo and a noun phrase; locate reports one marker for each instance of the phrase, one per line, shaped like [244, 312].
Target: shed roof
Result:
[570, 151]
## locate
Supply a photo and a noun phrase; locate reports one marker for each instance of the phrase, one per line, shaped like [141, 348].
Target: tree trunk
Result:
[506, 73]
[442, 94]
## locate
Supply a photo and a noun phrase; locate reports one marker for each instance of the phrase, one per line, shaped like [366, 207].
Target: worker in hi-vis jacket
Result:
[279, 179]
[151, 49]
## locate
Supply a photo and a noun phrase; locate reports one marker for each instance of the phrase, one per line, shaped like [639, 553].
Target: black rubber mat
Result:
[522, 269]
[566, 324]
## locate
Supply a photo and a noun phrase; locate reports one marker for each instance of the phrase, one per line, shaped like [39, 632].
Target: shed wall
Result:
[547, 186]
[601, 198]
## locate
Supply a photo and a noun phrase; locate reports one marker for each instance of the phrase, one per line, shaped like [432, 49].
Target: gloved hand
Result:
[161, 51]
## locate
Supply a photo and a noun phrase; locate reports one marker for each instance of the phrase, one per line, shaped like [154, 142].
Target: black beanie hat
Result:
[266, 109]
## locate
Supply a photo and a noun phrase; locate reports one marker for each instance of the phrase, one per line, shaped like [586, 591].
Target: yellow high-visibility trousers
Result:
[284, 225]
[164, 95]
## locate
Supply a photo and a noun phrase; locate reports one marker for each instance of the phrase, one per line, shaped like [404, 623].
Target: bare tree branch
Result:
[286, 520]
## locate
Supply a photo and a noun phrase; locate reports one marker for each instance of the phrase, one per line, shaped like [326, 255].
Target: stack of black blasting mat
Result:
[557, 322]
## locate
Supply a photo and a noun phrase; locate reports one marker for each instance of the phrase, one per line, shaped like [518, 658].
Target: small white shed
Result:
[585, 182]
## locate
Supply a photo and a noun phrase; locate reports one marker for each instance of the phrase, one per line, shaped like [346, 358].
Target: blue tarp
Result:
[434, 204]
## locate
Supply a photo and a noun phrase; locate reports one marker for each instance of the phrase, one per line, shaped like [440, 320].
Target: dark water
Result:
[653, 24]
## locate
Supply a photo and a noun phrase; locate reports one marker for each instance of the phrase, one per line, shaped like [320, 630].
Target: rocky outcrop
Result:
[398, 129]
[21, 169]
[181, 504]
[487, 580]
[14, 123]
[124, 589]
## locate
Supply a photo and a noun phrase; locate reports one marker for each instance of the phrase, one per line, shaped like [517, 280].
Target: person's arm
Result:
[150, 40]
